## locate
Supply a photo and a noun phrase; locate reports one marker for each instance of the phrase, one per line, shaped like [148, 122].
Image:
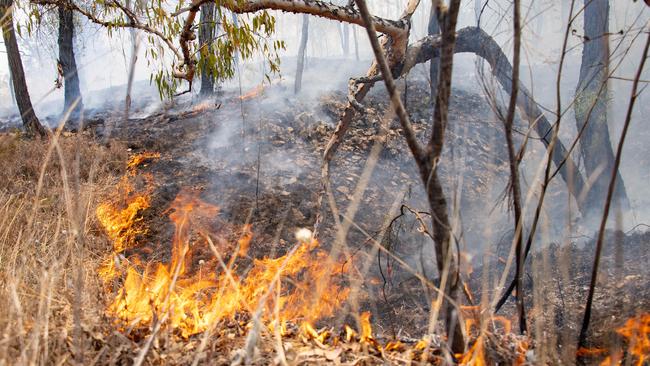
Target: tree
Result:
[135, 46]
[207, 30]
[30, 122]
[304, 35]
[72, 94]
[433, 30]
[591, 109]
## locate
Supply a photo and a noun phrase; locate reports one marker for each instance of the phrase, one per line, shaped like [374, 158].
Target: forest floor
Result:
[258, 160]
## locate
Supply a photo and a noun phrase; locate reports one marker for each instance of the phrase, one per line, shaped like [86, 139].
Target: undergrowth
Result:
[51, 244]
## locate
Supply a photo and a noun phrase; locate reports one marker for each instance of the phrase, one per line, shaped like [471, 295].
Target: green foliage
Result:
[234, 40]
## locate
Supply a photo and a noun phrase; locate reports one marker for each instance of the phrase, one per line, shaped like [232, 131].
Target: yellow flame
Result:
[191, 300]
[120, 216]
[253, 93]
[637, 332]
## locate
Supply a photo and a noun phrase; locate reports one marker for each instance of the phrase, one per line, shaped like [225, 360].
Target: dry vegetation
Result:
[49, 189]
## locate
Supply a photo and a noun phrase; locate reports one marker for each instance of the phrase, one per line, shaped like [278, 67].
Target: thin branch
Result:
[514, 168]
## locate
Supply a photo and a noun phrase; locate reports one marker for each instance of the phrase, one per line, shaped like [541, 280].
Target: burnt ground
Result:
[259, 161]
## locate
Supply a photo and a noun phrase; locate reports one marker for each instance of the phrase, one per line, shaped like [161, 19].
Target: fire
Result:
[120, 216]
[203, 106]
[477, 354]
[190, 297]
[253, 93]
[637, 332]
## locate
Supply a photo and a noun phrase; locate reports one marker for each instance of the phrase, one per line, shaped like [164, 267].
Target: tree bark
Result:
[30, 121]
[72, 94]
[135, 45]
[356, 43]
[433, 30]
[345, 39]
[301, 54]
[207, 30]
[591, 109]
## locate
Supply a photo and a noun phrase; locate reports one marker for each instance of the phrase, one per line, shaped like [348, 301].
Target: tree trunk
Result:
[30, 121]
[11, 90]
[356, 43]
[135, 46]
[72, 94]
[301, 53]
[207, 30]
[345, 38]
[591, 109]
[433, 29]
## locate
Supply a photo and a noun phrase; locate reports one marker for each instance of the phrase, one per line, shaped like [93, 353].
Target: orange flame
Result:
[253, 93]
[203, 106]
[120, 216]
[191, 300]
[637, 332]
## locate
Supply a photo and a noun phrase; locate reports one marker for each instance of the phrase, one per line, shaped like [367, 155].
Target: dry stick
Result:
[610, 191]
[401, 262]
[344, 227]
[549, 160]
[514, 167]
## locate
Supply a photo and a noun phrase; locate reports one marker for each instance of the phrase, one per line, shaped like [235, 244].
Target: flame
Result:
[366, 327]
[637, 332]
[253, 93]
[475, 355]
[120, 216]
[203, 106]
[189, 299]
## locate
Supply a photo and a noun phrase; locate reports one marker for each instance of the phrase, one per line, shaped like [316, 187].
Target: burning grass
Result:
[190, 300]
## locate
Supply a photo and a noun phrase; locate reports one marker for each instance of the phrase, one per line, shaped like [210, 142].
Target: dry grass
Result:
[50, 244]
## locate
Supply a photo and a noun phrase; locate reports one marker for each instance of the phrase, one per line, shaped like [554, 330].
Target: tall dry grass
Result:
[50, 245]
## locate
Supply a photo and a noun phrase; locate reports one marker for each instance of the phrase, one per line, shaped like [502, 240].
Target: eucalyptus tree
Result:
[208, 27]
[591, 109]
[67, 64]
[30, 122]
